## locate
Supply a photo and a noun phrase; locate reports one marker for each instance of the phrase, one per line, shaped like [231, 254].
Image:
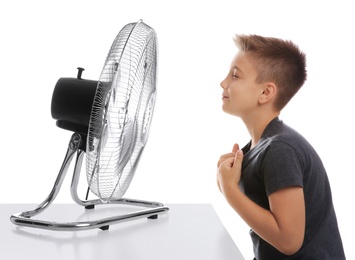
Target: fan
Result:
[110, 119]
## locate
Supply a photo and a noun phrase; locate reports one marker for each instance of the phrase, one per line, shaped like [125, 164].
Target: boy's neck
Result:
[257, 125]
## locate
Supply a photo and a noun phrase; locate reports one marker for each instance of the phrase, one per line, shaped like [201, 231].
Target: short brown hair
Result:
[276, 60]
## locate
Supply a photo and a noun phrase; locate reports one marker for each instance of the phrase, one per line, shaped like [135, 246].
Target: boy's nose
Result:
[222, 84]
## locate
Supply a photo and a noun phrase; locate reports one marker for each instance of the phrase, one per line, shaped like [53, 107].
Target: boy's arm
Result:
[283, 226]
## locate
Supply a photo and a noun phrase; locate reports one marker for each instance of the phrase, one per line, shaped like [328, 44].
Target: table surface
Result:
[186, 231]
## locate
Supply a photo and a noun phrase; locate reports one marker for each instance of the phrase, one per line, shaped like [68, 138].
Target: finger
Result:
[227, 163]
[219, 187]
[225, 157]
[238, 159]
[219, 183]
[235, 148]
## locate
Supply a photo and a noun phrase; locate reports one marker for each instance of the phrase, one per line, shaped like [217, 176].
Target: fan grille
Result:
[122, 111]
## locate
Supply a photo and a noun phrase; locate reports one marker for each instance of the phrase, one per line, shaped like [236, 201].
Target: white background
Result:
[42, 41]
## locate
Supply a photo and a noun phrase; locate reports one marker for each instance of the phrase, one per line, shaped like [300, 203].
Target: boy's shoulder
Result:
[278, 131]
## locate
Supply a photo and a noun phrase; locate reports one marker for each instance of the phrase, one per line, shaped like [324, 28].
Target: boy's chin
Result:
[225, 110]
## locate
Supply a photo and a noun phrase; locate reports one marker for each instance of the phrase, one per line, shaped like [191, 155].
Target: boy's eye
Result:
[235, 74]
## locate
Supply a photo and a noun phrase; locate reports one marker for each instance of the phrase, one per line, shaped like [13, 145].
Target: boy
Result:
[277, 182]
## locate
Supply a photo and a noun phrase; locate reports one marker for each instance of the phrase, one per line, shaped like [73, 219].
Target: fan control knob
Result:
[80, 72]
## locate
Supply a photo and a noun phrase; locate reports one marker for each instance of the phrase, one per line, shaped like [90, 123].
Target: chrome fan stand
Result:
[25, 218]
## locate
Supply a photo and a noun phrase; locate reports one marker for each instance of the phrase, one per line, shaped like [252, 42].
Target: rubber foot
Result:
[153, 217]
[104, 228]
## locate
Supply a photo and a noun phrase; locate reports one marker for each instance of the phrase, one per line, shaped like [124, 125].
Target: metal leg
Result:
[24, 219]
[72, 148]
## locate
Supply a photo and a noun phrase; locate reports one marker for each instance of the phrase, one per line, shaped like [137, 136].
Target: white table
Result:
[186, 231]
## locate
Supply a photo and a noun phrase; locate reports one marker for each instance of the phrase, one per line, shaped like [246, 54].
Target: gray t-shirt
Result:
[283, 158]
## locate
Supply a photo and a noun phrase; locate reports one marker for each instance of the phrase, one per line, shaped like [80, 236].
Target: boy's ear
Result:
[268, 92]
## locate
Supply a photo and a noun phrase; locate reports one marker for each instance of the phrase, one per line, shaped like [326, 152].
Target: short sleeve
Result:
[281, 167]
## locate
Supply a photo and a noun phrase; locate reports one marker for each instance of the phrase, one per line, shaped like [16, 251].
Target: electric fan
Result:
[110, 119]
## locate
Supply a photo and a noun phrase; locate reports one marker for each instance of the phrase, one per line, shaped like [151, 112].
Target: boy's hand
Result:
[229, 169]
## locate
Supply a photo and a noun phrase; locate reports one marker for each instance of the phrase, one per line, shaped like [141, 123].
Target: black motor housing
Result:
[72, 102]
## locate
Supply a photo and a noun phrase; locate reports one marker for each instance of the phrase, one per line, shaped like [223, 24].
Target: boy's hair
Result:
[276, 60]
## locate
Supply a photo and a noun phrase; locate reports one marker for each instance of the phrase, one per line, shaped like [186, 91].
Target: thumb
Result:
[238, 159]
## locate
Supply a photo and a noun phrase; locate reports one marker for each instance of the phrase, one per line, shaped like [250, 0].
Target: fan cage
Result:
[122, 111]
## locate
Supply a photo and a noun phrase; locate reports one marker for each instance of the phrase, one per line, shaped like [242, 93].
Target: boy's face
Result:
[240, 90]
